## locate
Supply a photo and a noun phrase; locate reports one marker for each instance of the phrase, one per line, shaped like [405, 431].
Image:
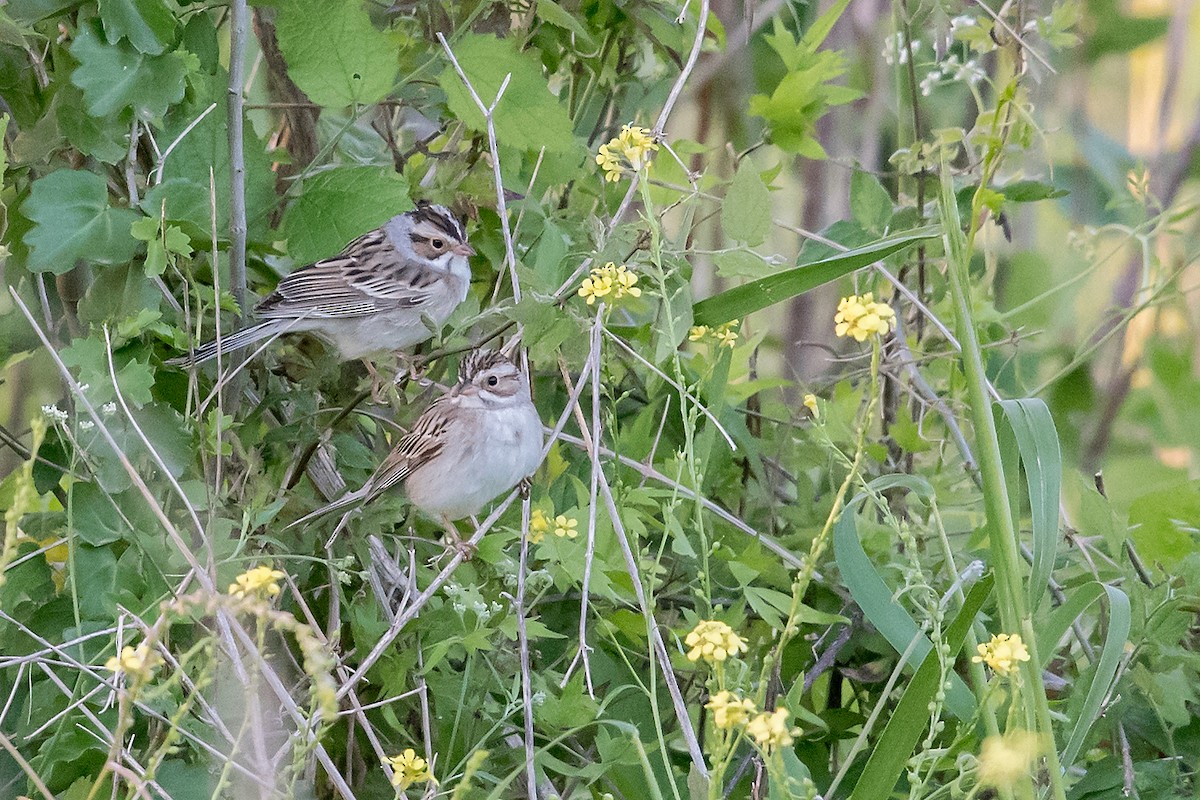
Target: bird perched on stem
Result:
[381, 293]
[470, 445]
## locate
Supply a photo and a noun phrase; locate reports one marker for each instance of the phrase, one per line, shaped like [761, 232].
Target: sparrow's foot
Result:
[379, 386]
[524, 486]
[454, 541]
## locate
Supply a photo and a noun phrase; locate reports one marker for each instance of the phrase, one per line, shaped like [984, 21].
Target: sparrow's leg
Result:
[524, 486]
[455, 541]
[378, 385]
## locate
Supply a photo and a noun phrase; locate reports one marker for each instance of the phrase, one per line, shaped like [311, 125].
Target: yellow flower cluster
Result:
[1002, 653]
[1004, 760]
[729, 710]
[610, 280]
[136, 662]
[539, 523]
[260, 582]
[629, 151]
[713, 641]
[862, 317]
[770, 729]
[409, 768]
[723, 335]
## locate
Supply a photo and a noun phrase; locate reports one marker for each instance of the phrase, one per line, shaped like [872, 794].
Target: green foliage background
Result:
[808, 151]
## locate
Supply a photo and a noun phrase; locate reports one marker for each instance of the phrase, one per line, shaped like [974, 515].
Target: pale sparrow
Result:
[371, 297]
[470, 445]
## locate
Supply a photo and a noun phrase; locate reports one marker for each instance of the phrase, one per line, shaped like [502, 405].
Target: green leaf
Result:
[870, 203]
[528, 116]
[746, 211]
[339, 204]
[102, 138]
[741, 300]
[1041, 461]
[908, 720]
[148, 24]
[551, 12]
[73, 220]
[741, 264]
[889, 617]
[1161, 525]
[1119, 621]
[97, 522]
[334, 53]
[116, 76]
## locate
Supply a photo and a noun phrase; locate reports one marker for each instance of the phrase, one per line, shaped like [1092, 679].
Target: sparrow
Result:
[373, 296]
[470, 445]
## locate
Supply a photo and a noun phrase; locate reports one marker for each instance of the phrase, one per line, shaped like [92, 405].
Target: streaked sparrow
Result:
[470, 445]
[372, 296]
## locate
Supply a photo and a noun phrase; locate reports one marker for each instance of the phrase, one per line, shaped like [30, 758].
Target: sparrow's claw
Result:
[524, 486]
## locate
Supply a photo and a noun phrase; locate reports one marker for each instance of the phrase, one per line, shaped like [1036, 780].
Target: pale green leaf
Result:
[340, 204]
[741, 264]
[73, 220]
[551, 12]
[103, 138]
[746, 212]
[148, 24]
[870, 204]
[334, 53]
[116, 76]
[528, 116]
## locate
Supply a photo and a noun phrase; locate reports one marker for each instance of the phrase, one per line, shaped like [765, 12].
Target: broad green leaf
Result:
[1161, 525]
[910, 717]
[741, 264]
[528, 116]
[741, 300]
[73, 220]
[1041, 461]
[148, 24]
[103, 138]
[97, 522]
[339, 204]
[205, 148]
[746, 210]
[889, 617]
[870, 204]
[334, 53]
[116, 76]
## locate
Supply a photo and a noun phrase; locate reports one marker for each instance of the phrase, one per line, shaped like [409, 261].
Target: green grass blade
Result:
[1119, 618]
[910, 717]
[1041, 458]
[889, 617]
[756, 295]
[1051, 631]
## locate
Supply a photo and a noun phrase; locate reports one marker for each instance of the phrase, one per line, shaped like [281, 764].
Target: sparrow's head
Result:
[491, 377]
[431, 233]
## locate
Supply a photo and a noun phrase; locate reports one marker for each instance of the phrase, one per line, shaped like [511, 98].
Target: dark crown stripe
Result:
[479, 361]
[441, 218]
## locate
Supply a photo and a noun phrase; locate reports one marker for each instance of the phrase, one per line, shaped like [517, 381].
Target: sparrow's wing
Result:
[370, 275]
[428, 437]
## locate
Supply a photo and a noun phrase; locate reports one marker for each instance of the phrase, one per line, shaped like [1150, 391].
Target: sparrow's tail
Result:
[234, 341]
[345, 501]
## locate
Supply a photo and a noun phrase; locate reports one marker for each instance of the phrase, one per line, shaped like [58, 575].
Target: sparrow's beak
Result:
[463, 249]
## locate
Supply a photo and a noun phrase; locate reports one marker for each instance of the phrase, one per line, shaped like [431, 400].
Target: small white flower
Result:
[538, 698]
[86, 425]
[961, 22]
[108, 409]
[929, 82]
[459, 609]
[54, 413]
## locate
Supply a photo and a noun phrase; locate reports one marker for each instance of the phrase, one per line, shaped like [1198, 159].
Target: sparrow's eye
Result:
[438, 244]
[493, 380]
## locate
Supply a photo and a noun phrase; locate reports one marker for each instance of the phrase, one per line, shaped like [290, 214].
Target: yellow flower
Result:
[713, 641]
[1004, 760]
[810, 402]
[409, 768]
[770, 729]
[629, 151]
[726, 335]
[862, 317]
[698, 332]
[137, 662]
[565, 526]
[259, 582]
[1002, 653]
[610, 279]
[539, 523]
[729, 710]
